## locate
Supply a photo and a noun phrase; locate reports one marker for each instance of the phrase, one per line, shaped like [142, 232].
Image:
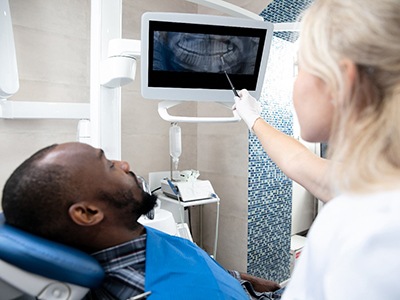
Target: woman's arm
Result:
[289, 154]
[295, 160]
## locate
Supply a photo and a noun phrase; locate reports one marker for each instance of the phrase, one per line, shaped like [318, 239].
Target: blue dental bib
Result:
[178, 269]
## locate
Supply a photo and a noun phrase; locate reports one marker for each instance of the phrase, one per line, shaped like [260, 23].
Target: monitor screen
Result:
[186, 56]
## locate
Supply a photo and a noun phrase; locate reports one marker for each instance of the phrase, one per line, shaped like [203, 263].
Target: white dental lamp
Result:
[119, 68]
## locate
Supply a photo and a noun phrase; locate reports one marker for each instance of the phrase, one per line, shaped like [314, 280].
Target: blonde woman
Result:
[348, 93]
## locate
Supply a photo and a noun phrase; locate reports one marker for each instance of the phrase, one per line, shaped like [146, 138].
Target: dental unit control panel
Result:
[188, 187]
[188, 190]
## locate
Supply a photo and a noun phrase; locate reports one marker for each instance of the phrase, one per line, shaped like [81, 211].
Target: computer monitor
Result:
[185, 56]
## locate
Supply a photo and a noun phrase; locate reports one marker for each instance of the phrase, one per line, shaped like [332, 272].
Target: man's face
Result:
[109, 183]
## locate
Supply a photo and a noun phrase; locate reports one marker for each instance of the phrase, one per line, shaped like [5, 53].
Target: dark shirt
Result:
[125, 270]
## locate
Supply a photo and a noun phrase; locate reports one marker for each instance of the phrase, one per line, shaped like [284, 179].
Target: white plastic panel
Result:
[9, 83]
[105, 103]
[35, 285]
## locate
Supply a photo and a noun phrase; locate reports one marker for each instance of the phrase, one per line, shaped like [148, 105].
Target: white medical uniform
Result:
[352, 251]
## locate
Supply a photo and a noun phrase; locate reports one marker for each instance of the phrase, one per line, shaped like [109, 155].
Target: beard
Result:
[148, 203]
[129, 208]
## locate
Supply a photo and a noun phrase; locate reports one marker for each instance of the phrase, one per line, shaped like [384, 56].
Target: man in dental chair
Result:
[72, 194]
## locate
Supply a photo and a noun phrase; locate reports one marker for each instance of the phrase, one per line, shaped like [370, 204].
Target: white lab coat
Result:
[352, 251]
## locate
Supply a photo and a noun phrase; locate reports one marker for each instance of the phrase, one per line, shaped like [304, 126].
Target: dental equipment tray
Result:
[188, 190]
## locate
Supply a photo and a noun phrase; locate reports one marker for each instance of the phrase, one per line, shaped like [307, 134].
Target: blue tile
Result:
[269, 190]
[280, 11]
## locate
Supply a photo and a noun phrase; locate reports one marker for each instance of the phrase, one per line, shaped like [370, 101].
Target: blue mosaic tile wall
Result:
[282, 11]
[269, 190]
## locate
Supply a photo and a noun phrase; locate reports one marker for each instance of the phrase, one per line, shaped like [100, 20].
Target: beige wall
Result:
[52, 45]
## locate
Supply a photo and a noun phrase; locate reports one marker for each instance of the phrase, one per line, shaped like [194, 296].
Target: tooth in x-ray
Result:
[194, 52]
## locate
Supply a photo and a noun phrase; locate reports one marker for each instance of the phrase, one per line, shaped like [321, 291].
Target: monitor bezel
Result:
[233, 25]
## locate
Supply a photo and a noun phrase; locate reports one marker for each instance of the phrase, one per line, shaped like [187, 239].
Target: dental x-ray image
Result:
[205, 53]
[190, 57]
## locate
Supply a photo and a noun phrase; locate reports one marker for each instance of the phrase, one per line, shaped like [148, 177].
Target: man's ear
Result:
[85, 214]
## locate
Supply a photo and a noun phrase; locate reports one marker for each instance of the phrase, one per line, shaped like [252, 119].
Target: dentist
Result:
[347, 93]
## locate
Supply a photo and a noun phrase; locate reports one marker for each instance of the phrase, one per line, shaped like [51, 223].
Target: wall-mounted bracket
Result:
[163, 107]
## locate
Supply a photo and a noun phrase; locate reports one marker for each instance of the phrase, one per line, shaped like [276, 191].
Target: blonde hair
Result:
[364, 142]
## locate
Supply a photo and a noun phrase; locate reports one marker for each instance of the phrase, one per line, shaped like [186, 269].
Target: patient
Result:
[72, 194]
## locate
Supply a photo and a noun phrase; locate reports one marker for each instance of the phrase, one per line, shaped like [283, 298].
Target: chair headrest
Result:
[47, 258]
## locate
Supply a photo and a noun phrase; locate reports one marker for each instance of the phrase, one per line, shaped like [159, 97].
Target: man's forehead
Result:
[69, 153]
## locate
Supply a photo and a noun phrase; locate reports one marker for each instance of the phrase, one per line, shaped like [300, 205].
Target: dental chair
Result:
[35, 268]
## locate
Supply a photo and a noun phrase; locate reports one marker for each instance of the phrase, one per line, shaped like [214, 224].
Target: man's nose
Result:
[123, 165]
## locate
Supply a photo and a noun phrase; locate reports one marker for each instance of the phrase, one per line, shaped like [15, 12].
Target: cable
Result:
[156, 189]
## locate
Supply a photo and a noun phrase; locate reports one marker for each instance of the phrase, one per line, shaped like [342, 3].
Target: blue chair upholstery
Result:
[48, 259]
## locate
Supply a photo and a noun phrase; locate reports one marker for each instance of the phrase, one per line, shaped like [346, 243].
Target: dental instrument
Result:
[230, 82]
[145, 187]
